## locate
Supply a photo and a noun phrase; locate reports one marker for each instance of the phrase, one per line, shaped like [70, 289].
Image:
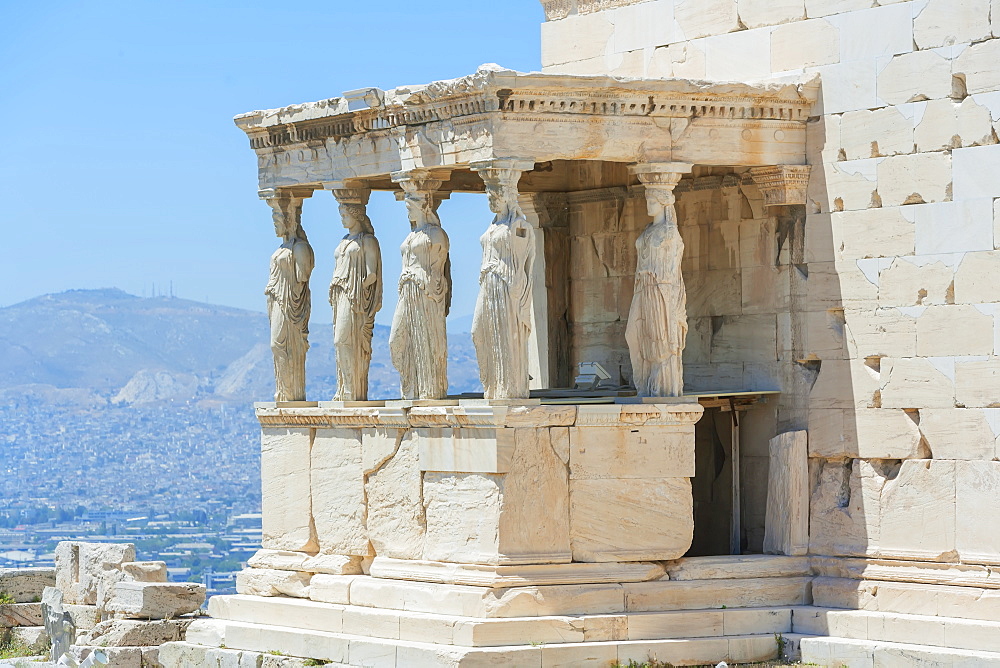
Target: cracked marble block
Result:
[514, 516]
[285, 485]
[338, 492]
[630, 488]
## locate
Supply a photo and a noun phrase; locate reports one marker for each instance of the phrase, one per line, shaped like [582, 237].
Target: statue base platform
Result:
[480, 482]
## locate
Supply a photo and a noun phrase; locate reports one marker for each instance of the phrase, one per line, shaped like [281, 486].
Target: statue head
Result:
[355, 219]
[278, 218]
[501, 189]
[421, 208]
[660, 200]
[286, 214]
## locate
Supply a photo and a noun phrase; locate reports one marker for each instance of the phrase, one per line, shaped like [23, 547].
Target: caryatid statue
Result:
[418, 342]
[355, 295]
[501, 324]
[288, 297]
[657, 320]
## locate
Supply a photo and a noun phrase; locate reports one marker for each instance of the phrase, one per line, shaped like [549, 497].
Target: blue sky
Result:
[121, 163]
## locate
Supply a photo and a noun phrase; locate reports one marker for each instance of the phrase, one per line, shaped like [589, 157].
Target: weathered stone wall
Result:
[893, 303]
[481, 485]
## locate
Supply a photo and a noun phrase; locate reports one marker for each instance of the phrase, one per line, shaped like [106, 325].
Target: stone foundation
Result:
[476, 485]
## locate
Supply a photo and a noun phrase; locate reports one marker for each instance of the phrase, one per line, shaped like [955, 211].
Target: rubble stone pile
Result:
[104, 599]
[21, 620]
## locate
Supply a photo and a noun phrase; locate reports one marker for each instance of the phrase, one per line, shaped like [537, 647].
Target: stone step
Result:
[962, 634]
[852, 653]
[357, 650]
[477, 632]
[537, 601]
[729, 567]
[965, 602]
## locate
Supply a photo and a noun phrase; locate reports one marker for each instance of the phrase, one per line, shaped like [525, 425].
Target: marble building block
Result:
[285, 497]
[977, 484]
[757, 13]
[338, 492]
[621, 452]
[918, 511]
[920, 75]
[501, 518]
[954, 329]
[948, 22]
[908, 283]
[394, 492]
[575, 38]
[977, 383]
[914, 179]
[84, 571]
[915, 383]
[878, 133]
[946, 124]
[978, 65]
[786, 526]
[961, 433]
[637, 519]
[844, 508]
[952, 227]
[804, 44]
[871, 433]
[827, 7]
[976, 278]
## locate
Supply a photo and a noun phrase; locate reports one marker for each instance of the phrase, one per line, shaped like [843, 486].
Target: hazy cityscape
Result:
[179, 481]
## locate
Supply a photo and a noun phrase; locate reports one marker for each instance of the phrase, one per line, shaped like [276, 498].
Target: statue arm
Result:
[304, 261]
[440, 267]
[373, 262]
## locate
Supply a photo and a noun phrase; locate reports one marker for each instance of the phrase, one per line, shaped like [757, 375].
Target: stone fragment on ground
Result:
[25, 585]
[155, 600]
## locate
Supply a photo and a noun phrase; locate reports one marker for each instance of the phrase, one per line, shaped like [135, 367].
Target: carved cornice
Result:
[708, 183]
[296, 192]
[590, 6]
[483, 417]
[536, 96]
[614, 194]
[781, 184]
[560, 9]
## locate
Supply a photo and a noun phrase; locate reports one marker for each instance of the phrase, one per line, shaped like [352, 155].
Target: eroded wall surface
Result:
[889, 332]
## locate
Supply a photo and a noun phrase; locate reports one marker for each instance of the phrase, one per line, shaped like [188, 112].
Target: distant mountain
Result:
[93, 346]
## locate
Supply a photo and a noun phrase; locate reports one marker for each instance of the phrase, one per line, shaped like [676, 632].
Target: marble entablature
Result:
[498, 113]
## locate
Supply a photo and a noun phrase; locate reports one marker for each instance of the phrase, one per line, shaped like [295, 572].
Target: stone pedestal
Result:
[482, 484]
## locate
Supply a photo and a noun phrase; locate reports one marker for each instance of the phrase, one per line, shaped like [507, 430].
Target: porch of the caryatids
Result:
[355, 293]
[501, 324]
[657, 321]
[287, 291]
[418, 341]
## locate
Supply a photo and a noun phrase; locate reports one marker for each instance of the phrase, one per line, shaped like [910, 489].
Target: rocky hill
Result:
[95, 346]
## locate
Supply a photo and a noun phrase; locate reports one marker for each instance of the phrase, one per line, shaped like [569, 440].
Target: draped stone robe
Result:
[289, 304]
[354, 307]
[419, 342]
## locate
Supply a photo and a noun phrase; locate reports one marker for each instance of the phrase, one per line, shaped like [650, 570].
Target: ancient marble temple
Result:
[548, 494]
[739, 345]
